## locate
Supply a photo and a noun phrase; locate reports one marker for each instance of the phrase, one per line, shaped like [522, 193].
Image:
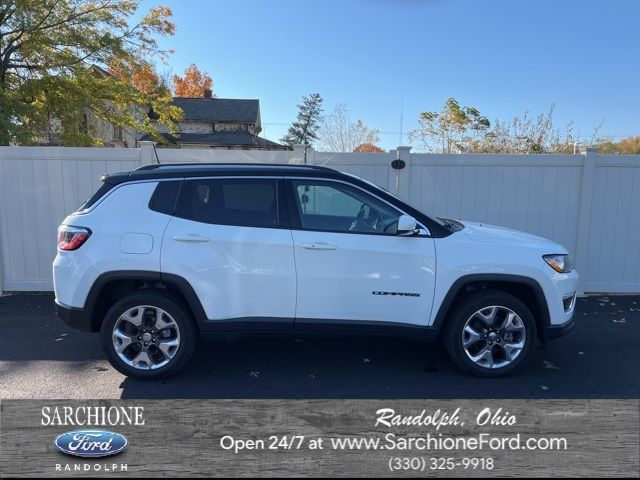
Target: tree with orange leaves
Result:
[194, 83]
[368, 148]
[143, 77]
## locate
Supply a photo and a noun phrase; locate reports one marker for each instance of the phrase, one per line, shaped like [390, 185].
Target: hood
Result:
[481, 232]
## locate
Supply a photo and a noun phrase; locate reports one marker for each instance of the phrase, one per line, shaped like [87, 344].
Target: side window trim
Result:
[292, 204]
[294, 207]
[284, 217]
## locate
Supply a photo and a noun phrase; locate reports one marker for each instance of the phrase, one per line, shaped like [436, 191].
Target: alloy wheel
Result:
[146, 337]
[493, 337]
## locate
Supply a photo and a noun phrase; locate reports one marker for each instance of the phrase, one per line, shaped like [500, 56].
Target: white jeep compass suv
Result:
[165, 255]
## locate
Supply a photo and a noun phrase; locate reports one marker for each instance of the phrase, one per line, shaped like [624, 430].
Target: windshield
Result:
[435, 219]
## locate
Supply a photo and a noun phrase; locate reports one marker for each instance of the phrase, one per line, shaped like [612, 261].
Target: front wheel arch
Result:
[525, 289]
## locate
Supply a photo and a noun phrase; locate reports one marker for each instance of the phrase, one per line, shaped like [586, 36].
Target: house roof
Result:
[219, 109]
[222, 139]
[100, 71]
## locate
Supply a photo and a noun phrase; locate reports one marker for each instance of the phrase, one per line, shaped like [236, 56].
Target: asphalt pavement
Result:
[40, 357]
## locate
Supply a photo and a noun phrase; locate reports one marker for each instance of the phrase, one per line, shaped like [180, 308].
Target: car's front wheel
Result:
[490, 333]
[148, 335]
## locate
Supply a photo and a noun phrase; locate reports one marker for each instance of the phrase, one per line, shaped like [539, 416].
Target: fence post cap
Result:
[147, 152]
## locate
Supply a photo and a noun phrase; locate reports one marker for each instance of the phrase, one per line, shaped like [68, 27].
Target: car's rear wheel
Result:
[148, 335]
[490, 333]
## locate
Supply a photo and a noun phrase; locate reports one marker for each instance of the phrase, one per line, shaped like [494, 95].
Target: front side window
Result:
[339, 207]
[243, 202]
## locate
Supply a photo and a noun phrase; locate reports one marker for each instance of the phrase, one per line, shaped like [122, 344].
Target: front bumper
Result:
[76, 318]
[561, 301]
[552, 332]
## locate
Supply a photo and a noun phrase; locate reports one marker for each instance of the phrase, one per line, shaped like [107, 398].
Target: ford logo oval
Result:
[91, 443]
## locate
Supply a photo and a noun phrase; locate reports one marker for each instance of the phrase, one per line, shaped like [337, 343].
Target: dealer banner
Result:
[320, 438]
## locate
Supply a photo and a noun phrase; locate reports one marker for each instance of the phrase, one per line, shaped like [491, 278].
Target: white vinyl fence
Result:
[590, 203]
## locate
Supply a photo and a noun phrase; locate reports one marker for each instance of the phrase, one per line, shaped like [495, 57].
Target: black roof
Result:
[222, 139]
[218, 109]
[175, 170]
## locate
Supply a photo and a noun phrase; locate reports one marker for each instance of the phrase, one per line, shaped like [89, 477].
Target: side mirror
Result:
[407, 225]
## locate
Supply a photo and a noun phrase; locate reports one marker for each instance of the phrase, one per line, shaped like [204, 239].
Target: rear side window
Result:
[243, 202]
[101, 192]
[165, 196]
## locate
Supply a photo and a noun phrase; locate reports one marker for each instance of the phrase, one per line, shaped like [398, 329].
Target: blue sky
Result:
[500, 56]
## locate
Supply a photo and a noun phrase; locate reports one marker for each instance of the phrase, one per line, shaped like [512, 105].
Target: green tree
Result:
[454, 129]
[54, 59]
[304, 130]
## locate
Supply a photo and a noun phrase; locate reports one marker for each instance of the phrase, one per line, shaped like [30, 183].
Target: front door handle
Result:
[191, 238]
[318, 246]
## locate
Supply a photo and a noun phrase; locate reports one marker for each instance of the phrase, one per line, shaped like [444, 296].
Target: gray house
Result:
[218, 123]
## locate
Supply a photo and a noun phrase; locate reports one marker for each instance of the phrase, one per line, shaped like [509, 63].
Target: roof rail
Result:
[230, 164]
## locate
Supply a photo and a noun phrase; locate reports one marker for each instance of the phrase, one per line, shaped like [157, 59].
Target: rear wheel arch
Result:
[526, 289]
[111, 286]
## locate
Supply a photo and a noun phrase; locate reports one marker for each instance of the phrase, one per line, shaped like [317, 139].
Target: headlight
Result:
[560, 263]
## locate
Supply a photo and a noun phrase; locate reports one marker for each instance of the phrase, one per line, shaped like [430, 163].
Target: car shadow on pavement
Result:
[40, 357]
[38, 334]
[310, 367]
[599, 360]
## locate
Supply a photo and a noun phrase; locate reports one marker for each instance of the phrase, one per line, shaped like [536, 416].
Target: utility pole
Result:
[401, 115]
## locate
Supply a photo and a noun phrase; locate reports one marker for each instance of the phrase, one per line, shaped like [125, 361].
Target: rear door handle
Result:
[191, 238]
[318, 246]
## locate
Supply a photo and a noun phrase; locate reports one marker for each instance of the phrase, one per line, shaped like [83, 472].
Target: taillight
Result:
[72, 238]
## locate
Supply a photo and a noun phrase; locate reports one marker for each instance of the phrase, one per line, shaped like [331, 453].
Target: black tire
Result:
[464, 309]
[171, 305]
